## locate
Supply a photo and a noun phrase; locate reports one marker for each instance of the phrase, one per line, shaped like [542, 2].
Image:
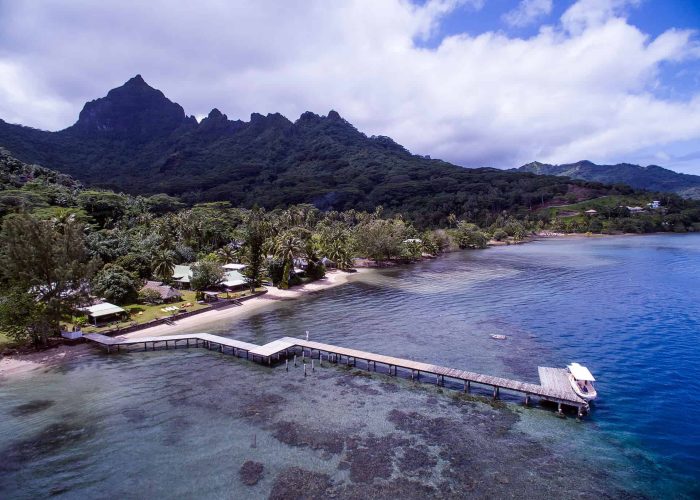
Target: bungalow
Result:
[104, 313]
[233, 280]
[591, 212]
[635, 210]
[182, 275]
[166, 292]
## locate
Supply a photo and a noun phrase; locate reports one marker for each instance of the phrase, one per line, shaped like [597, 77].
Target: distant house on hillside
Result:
[591, 212]
[166, 292]
[635, 210]
[654, 205]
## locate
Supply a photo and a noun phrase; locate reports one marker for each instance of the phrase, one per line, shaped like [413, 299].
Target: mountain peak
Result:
[215, 113]
[134, 111]
[136, 81]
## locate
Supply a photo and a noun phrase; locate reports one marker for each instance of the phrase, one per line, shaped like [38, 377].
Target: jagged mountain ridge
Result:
[136, 140]
[651, 177]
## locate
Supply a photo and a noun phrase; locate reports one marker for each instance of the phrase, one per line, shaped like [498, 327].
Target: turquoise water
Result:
[182, 423]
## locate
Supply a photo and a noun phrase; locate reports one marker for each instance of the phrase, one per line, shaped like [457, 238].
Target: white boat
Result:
[582, 381]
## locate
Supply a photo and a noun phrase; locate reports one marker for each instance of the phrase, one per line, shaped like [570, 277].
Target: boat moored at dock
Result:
[582, 381]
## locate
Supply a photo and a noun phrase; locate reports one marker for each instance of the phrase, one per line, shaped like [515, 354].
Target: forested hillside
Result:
[136, 140]
[63, 245]
[651, 178]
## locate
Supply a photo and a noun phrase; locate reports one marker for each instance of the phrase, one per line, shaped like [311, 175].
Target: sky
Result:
[494, 83]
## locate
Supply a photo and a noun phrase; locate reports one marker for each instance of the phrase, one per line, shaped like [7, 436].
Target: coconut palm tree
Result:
[339, 251]
[228, 254]
[164, 265]
[287, 246]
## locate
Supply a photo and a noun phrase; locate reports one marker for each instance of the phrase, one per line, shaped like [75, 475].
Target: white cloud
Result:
[580, 89]
[22, 97]
[592, 13]
[527, 12]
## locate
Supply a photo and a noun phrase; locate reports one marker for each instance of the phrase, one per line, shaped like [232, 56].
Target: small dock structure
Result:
[554, 382]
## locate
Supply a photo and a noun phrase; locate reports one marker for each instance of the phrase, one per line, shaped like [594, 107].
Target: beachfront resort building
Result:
[233, 279]
[166, 292]
[104, 312]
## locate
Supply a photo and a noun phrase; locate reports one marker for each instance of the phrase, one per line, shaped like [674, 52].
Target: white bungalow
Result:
[233, 279]
[104, 312]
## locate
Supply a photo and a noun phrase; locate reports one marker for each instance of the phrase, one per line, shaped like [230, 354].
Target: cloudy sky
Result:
[476, 82]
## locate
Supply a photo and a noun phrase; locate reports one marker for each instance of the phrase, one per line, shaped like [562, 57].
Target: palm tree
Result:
[228, 254]
[286, 247]
[338, 250]
[164, 265]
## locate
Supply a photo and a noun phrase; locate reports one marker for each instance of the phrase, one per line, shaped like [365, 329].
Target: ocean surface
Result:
[183, 423]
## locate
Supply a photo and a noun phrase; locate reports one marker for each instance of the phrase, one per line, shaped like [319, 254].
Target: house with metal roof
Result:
[182, 275]
[104, 312]
[233, 279]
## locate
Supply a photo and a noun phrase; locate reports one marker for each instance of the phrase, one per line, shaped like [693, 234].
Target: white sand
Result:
[11, 365]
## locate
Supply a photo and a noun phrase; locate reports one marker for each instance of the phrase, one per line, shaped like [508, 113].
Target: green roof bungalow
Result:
[182, 275]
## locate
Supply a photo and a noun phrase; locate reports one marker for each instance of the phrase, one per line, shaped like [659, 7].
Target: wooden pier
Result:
[554, 382]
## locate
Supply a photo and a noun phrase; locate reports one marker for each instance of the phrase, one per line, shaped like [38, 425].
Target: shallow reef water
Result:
[193, 423]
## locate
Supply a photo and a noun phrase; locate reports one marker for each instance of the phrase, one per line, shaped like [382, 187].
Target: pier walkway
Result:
[554, 383]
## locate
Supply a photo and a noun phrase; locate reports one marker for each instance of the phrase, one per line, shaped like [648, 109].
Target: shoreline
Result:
[24, 363]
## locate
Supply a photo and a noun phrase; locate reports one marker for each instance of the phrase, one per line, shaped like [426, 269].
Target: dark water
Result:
[179, 424]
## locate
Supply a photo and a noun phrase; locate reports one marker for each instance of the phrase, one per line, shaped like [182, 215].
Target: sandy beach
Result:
[12, 365]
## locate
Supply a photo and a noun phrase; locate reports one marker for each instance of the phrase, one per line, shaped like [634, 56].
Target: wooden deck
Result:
[554, 383]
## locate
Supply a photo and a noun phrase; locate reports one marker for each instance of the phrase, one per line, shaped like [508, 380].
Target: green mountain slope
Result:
[652, 177]
[138, 141]
[26, 187]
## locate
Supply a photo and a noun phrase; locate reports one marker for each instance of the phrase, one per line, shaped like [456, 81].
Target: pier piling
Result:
[554, 382]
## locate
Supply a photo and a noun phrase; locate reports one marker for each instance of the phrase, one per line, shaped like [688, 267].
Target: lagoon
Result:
[182, 423]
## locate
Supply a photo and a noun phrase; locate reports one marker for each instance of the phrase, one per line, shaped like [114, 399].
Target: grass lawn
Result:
[143, 313]
[602, 203]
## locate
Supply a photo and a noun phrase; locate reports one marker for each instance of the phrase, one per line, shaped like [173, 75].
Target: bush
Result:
[469, 236]
[499, 235]
[315, 270]
[149, 296]
[294, 280]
